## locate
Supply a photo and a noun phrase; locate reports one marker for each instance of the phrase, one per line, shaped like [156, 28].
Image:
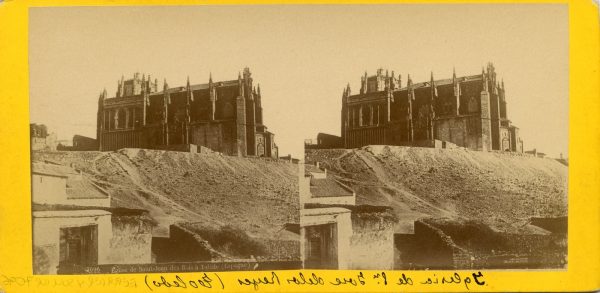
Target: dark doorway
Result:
[321, 247]
[79, 245]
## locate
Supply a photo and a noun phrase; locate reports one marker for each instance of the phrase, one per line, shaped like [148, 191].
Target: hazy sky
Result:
[302, 56]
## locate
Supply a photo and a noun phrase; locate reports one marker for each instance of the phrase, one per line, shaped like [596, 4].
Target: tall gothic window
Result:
[120, 119]
[227, 110]
[366, 116]
[472, 105]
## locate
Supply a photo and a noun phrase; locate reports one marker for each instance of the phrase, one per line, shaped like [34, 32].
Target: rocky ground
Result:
[256, 195]
[501, 189]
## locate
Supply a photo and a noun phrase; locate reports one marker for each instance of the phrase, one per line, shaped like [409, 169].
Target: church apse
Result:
[466, 111]
[224, 116]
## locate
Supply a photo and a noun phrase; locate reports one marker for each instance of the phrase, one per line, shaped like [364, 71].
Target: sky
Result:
[302, 56]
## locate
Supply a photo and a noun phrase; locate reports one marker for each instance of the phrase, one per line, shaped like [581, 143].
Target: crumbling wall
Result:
[464, 131]
[428, 248]
[372, 241]
[181, 246]
[280, 249]
[132, 240]
[443, 244]
[215, 136]
[191, 148]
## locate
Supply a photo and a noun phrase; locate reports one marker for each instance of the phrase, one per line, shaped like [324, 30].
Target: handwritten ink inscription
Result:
[203, 281]
[261, 281]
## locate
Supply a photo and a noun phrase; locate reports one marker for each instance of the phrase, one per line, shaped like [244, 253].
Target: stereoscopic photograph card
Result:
[300, 148]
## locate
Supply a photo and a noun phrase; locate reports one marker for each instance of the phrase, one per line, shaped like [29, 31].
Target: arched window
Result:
[472, 105]
[421, 121]
[120, 119]
[260, 150]
[227, 110]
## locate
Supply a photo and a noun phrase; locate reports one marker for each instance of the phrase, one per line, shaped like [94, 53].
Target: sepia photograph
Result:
[155, 147]
[446, 144]
[285, 137]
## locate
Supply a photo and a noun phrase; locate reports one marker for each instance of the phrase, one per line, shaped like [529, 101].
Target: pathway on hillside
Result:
[383, 177]
[157, 211]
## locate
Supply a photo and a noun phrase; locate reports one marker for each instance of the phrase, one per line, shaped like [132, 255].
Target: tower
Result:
[145, 104]
[212, 91]
[240, 120]
[363, 84]
[456, 100]
[502, 98]
[259, 112]
[100, 118]
[165, 114]
[490, 87]
[344, 116]
[188, 104]
[410, 98]
[431, 111]
[250, 114]
[485, 142]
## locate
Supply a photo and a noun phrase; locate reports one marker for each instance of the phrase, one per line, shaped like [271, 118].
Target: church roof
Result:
[443, 82]
[197, 87]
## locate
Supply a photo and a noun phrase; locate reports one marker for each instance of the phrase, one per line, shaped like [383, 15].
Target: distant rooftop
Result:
[52, 169]
[78, 187]
[328, 187]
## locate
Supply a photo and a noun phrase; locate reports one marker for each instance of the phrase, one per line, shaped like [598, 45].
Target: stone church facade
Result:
[225, 116]
[468, 111]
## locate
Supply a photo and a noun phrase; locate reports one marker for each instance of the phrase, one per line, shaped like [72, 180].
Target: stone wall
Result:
[372, 242]
[332, 200]
[219, 137]
[181, 246]
[427, 248]
[464, 131]
[276, 249]
[188, 148]
[131, 241]
[121, 139]
[431, 247]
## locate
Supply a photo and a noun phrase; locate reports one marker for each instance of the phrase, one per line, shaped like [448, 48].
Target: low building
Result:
[337, 233]
[75, 228]
[535, 153]
[326, 236]
[41, 139]
[70, 238]
[61, 185]
[324, 141]
[79, 143]
[323, 188]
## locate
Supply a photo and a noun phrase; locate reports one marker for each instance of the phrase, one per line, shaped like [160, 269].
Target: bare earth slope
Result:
[254, 194]
[503, 190]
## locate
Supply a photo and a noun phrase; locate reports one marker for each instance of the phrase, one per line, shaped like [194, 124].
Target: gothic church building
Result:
[225, 116]
[468, 111]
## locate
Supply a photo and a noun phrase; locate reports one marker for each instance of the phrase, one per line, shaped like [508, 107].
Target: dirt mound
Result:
[256, 195]
[501, 189]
